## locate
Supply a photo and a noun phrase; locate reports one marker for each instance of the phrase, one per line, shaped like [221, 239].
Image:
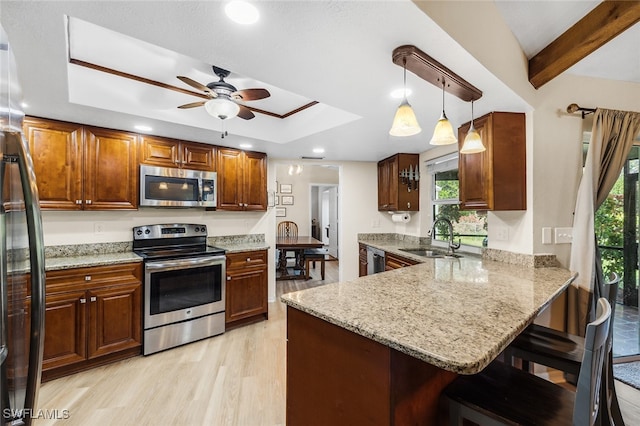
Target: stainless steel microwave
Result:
[170, 187]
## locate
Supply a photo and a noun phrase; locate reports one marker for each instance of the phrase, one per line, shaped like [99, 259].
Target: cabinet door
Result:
[56, 148]
[114, 319]
[393, 261]
[475, 170]
[111, 171]
[388, 184]
[254, 193]
[198, 156]
[363, 261]
[65, 339]
[159, 151]
[246, 294]
[230, 182]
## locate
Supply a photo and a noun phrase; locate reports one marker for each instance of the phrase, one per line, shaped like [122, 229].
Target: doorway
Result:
[324, 216]
[616, 225]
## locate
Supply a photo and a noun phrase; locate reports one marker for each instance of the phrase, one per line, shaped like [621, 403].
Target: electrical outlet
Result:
[502, 233]
[563, 235]
[98, 228]
[546, 236]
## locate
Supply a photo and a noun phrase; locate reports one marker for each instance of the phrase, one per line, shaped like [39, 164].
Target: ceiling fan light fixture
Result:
[222, 108]
[242, 12]
[473, 141]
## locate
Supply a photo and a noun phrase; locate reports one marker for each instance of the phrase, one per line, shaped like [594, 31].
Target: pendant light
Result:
[405, 122]
[472, 142]
[443, 133]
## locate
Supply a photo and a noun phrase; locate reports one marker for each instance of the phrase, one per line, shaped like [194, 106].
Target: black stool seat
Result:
[313, 255]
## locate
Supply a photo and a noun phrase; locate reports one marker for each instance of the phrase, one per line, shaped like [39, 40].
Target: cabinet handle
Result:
[83, 300]
[88, 201]
[78, 201]
[228, 278]
[87, 277]
[93, 298]
[248, 259]
[408, 205]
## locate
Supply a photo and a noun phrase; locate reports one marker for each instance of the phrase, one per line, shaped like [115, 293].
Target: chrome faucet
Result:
[452, 246]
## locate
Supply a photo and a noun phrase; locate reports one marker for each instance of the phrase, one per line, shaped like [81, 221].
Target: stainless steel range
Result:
[184, 285]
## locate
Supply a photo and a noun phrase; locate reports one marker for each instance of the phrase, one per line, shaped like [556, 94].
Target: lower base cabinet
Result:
[93, 316]
[393, 261]
[246, 290]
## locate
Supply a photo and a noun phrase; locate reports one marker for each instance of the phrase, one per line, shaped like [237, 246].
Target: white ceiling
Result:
[335, 52]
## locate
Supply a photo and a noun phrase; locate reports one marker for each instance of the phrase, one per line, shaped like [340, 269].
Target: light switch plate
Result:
[563, 235]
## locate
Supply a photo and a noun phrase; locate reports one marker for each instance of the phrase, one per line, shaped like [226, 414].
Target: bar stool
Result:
[563, 351]
[313, 255]
[504, 395]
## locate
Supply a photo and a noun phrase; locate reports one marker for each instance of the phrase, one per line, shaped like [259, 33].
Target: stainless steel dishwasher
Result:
[375, 260]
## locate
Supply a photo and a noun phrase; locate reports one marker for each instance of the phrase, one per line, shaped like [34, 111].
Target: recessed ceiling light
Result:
[400, 93]
[318, 150]
[242, 12]
[143, 128]
[246, 145]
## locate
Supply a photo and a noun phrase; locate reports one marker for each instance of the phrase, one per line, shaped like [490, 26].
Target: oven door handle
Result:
[183, 263]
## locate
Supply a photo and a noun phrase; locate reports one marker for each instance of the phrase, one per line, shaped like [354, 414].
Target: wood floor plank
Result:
[235, 379]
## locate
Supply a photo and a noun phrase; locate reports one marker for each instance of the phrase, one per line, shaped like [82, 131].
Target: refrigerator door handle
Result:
[17, 144]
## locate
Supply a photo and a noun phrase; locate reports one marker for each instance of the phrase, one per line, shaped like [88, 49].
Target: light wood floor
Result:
[237, 378]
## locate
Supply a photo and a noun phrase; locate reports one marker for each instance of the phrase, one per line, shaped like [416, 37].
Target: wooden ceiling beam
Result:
[606, 21]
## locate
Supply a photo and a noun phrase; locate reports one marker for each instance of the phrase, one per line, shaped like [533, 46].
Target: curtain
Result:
[612, 137]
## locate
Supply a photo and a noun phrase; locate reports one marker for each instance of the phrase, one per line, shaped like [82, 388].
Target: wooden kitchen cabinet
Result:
[394, 194]
[242, 180]
[93, 316]
[246, 290]
[83, 168]
[393, 261]
[165, 152]
[496, 178]
[363, 262]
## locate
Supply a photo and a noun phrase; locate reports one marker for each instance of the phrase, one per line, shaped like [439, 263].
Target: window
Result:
[469, 226]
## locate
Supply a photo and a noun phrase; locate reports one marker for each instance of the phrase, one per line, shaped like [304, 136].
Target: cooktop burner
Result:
[172, 241]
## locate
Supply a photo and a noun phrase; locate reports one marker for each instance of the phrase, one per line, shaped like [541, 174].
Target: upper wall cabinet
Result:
[496, 178]
[242, 180]
[83, 168]
[167, 152]
[398, 179]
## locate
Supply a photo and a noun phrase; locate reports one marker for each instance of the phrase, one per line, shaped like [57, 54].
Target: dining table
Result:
[297, 244]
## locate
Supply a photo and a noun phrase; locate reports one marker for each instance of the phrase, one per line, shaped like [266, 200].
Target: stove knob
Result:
[204, 229]
[138, 232]
[197, 229]
[147, 232]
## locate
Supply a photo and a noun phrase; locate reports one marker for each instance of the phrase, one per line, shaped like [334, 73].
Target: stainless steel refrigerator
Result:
[22, 257]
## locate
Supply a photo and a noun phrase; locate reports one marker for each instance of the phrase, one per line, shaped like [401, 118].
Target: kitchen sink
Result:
[430, 252]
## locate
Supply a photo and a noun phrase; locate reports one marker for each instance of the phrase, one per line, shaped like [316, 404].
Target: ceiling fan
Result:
[223, 97]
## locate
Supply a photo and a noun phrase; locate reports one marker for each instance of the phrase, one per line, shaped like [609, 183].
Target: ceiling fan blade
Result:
[192, 105]
[245, 113]
[195, 84]
[251, 94]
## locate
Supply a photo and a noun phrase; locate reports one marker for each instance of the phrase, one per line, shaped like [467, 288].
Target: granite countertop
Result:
[100, 254]
[457, 314]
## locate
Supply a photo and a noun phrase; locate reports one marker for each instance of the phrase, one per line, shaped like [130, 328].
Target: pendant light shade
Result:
[443, 133]
[405, 122]
[472, 142]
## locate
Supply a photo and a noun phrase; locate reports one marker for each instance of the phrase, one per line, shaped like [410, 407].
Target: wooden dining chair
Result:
[564, 351]
[288, 228]
[504, 395]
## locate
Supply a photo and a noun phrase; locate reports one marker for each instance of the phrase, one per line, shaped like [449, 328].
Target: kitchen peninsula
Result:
[378, 350]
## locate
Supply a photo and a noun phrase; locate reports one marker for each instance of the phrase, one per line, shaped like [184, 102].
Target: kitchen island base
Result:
[338, 377]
